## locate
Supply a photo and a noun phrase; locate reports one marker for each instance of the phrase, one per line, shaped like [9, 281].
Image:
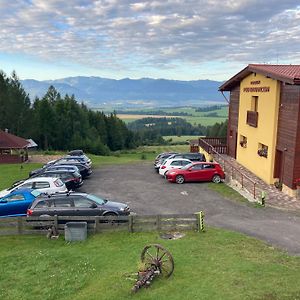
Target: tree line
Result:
[60, 123]
[150, 131]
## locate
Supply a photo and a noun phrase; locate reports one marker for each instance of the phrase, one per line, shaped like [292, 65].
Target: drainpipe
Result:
[228, 129]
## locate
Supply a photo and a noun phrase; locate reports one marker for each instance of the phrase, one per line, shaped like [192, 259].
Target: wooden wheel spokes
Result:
[157, 256]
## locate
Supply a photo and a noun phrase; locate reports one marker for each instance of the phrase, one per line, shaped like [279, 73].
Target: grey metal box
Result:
[75, 231]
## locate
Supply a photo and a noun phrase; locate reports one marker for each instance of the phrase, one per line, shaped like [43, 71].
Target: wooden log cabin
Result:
[13, 149]
[264, 122]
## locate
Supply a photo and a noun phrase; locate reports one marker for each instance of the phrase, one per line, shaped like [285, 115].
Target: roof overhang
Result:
[260, 69]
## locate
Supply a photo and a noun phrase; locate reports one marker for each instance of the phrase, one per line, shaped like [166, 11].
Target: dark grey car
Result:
[76, 204]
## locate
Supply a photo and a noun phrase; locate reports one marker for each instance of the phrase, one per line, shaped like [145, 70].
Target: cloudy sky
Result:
[174, 39]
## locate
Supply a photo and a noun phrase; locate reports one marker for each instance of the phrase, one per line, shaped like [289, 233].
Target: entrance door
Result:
[232, 143]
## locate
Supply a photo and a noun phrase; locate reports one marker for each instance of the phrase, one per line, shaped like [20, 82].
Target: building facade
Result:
[264, 122]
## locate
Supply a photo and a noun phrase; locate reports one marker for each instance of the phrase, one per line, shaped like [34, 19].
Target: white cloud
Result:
[127, 35]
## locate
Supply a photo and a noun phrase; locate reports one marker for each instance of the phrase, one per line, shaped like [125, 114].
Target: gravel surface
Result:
[146, 192]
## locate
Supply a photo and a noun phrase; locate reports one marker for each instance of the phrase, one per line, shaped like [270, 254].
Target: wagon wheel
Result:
[155, 255]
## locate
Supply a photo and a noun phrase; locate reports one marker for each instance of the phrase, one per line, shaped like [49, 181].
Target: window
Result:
[81, 202]
[176, 163]
[197, 167]
[184, 162]
[44, 204]
[208, 166]
[41, 185]
[262, 150]
[254, 103]
[58, 183]
[18, 197]
[63, 203]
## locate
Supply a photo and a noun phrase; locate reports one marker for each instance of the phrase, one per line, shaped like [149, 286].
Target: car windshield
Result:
[35, 193]
[186, 166]
[96, 199]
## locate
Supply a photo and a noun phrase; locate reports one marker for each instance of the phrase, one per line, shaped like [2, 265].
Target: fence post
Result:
[263, 198]
[96, 227]
[130, 223]
[158, 225]
[55, 222]
[200, 215]
[20, 225]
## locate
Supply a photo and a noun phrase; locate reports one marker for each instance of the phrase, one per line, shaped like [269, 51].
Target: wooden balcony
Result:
[252, 118]
[211, 144]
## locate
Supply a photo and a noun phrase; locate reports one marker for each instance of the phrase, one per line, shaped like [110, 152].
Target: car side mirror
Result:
[94, 205]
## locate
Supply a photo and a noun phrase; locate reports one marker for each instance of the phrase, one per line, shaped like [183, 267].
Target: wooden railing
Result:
[252, 118]
[209, 143]
[245, 181]
[132, 223]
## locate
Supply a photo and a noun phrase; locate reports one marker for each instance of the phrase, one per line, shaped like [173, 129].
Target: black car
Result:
[76, 152]
[72, 179]
[76, 204]
[84, 170]
[55, 168]
[193, 156]
[81, 159]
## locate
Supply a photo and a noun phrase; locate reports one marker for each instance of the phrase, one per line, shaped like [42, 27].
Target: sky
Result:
[172, 39]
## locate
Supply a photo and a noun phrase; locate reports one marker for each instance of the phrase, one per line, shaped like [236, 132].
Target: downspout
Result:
[228, 129]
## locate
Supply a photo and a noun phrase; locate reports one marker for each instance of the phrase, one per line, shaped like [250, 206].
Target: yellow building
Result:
[263, 126]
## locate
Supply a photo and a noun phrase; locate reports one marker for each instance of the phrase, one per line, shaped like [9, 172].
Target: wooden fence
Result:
[134, 223]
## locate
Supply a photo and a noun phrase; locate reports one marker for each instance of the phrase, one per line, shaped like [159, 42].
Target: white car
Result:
[174, 163]
[43, 184]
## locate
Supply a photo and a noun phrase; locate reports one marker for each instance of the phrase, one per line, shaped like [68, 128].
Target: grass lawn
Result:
[216, 265]
[10, 173]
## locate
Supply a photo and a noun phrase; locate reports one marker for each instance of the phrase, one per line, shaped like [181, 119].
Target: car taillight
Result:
[29, 212]
[163, 167]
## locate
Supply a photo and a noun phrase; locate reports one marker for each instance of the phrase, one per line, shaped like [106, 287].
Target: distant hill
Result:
[100, 92]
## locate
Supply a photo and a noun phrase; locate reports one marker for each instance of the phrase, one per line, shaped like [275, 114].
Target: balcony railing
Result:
[252, 118]
[209, 143]
[216, 150]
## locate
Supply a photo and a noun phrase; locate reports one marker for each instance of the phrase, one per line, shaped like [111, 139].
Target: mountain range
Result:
[99, 92]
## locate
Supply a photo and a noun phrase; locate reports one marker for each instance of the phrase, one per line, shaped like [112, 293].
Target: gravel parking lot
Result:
[146, 192]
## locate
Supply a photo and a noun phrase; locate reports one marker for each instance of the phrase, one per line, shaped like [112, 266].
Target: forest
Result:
[59, 123]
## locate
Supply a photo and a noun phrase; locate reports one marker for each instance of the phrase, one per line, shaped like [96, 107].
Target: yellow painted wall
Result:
[266, 130]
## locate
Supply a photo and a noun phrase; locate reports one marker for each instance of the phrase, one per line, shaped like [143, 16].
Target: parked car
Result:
[17, 202]
[174, 163]
[76, 204]
[71, 179]
[81, 159]
[76, 152]
[161, 158]
[84, 170]
[53, 167]
[197, 171]
[193, 156]
[43, 184]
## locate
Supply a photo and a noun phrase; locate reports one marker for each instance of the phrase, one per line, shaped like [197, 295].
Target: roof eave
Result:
[236, 79]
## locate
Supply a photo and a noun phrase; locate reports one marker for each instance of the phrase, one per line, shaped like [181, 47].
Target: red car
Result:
[198, 171]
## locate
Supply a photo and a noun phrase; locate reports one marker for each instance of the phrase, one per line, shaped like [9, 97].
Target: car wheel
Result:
[110, 215]
[216, 179]
[179, 179]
